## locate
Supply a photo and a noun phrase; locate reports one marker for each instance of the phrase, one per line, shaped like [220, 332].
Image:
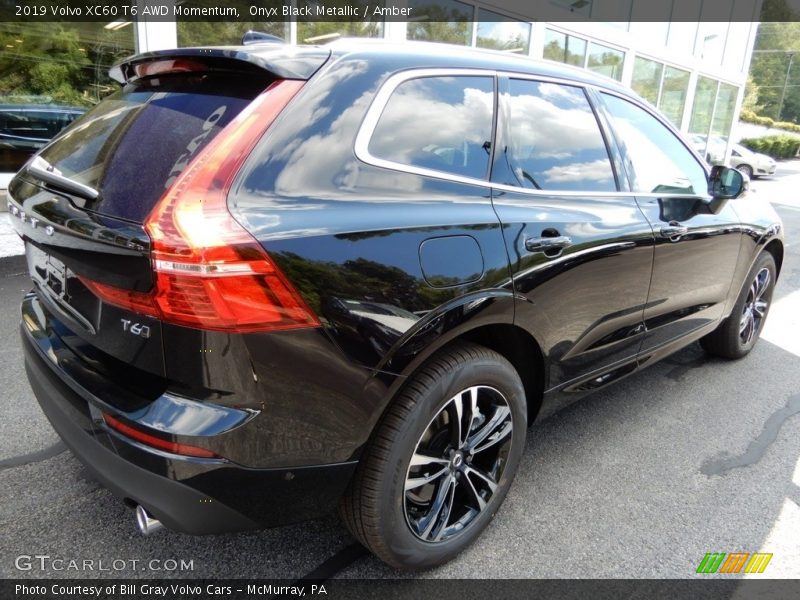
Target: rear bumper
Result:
[191, 495]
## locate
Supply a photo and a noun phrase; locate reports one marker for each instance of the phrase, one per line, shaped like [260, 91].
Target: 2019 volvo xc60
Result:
[269, 281]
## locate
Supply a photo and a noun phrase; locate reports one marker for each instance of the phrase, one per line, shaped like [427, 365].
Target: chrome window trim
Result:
[381, 98]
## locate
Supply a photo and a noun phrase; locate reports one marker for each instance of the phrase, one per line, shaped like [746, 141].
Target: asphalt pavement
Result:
[642, 479]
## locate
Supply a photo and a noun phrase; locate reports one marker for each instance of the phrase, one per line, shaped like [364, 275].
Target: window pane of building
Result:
[605, 60]
[498, 34]
[647, 78]
[50, 74]
[576, 51]
[555, 141]
[410, 130]
[320, 32]
[564, 48]
[723, 112]
[440, 21]
[704, 97]
[202, 32]
[673, 94]
[222, 33]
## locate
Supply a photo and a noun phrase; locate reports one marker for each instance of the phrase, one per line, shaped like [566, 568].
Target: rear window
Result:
[438, 123]
[133, 145]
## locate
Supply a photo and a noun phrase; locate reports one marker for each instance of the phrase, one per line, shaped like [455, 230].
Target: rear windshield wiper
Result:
[42, 169]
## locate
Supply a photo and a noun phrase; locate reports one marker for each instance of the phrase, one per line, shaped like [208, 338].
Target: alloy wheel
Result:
[755, 307]
[457, 463]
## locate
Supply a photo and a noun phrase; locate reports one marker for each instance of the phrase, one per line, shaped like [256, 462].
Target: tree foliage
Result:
[775, 67]
[59, 63]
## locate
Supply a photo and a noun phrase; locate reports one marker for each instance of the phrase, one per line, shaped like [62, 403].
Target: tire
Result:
[746, 170]
[396, 522]
[736, 335]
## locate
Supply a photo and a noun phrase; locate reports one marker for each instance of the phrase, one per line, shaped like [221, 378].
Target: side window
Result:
[554, 141]
[439, 123]
[657, 158]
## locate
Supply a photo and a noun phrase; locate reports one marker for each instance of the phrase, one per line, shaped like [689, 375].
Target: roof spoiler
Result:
[282, 61]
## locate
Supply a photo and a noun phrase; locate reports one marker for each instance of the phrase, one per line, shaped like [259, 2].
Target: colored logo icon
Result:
[735, 562]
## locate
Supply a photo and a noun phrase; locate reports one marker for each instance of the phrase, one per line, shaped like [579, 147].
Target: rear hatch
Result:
[91, 203]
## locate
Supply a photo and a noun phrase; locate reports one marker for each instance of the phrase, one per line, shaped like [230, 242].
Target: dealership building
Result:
[688, 58]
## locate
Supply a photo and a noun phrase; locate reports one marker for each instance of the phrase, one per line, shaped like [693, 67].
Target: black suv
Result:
[272, 280]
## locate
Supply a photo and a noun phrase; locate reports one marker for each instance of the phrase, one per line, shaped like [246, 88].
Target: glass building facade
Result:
[692, 71]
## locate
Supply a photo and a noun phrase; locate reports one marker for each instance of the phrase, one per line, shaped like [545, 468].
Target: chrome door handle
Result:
[674, 230]
[543, 244]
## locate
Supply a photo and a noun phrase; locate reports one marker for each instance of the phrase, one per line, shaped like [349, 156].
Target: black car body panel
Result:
[396, 262]
[192, 495]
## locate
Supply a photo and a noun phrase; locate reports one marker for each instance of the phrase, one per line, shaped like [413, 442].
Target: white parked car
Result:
[752, 164]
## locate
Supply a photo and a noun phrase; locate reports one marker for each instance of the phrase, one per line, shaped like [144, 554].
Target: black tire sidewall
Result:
[405, 547]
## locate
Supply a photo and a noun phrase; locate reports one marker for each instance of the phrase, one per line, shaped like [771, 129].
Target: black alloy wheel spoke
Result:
[457, 463]
[755, 307]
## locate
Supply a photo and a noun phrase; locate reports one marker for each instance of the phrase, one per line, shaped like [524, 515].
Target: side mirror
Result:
[726, 183]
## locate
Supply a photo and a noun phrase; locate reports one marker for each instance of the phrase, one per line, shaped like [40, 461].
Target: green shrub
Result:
[748, 116]
[776, 146]
[788, 126]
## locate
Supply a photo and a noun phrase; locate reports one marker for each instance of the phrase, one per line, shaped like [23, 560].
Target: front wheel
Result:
[736, 335]
[441, 461]
[746, 170]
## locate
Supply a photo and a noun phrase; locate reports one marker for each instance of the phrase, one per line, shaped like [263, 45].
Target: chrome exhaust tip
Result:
[145, 522]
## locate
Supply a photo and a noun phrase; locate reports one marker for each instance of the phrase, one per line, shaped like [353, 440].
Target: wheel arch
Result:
[775, 247]
[514, 343]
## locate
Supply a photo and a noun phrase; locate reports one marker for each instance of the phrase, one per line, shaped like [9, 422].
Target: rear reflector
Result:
[139, 302]
[210, 272]
[156, 442]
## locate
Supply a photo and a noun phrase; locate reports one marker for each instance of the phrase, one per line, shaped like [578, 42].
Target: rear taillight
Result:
[210, 273]
[156, 442]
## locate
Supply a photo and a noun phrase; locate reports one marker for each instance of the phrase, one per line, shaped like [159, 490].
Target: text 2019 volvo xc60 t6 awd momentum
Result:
[270, 281]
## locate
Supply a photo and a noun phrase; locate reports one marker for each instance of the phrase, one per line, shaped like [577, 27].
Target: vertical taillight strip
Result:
[210, 272]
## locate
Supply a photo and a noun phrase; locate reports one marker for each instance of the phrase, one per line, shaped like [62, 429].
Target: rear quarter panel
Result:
[349, 235]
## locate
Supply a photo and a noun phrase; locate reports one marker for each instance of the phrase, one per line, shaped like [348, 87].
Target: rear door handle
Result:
[543, 244]
[674, 230]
